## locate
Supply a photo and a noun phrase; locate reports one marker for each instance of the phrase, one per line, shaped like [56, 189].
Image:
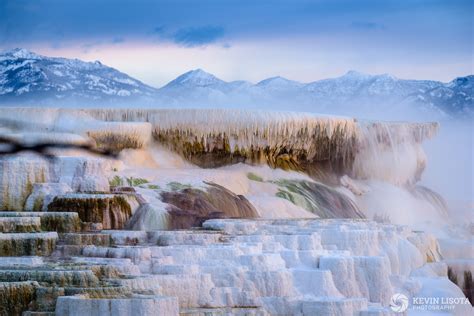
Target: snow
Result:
[277, 83]
[80, 79]
[127, 81]
[58, 73]
[123, 93]
[358, 94]
[196, 77]
[21, 53]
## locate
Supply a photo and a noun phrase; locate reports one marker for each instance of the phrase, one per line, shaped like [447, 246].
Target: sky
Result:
[155, 41]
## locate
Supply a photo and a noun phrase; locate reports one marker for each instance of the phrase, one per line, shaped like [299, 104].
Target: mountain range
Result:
[30, 79]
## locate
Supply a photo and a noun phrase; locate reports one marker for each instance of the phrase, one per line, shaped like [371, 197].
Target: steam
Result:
[450, 169]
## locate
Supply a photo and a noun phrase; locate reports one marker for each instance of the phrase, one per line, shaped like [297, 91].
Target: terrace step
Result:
[136, 305]
[185, 237]
[235, 311]
[20, 224]
[60, 222]
[65, 251]
[142, 284]
[27, 244]
[127, 237]
[99, 292]
[32, 261]
[16, 296]
[124, 266]
[55, 277]
[90, 227]
[83, 239]
[111, 210]
[46, 297]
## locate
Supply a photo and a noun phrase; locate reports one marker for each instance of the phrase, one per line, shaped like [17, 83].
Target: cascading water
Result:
[320, 199]
[388, 164]
[391, 152]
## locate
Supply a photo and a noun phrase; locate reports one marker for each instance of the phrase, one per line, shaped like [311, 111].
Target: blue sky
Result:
[302, 40]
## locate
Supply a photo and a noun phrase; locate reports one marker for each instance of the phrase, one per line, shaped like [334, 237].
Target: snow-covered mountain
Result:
[354, 93]
[28, 78]
[279, 84]
[455, 97]
[195, 78]
[194, 87]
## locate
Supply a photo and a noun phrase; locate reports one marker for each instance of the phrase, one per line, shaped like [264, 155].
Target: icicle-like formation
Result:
[243, 128]
[288, 140]
[117, 136]
[298, 141]
[241, 131]
[16, 296]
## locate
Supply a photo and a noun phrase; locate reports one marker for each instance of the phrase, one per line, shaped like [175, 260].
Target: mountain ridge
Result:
[30, 78]
[23, 73]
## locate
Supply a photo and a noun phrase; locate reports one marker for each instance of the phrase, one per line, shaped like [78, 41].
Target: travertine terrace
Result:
[215, 212]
